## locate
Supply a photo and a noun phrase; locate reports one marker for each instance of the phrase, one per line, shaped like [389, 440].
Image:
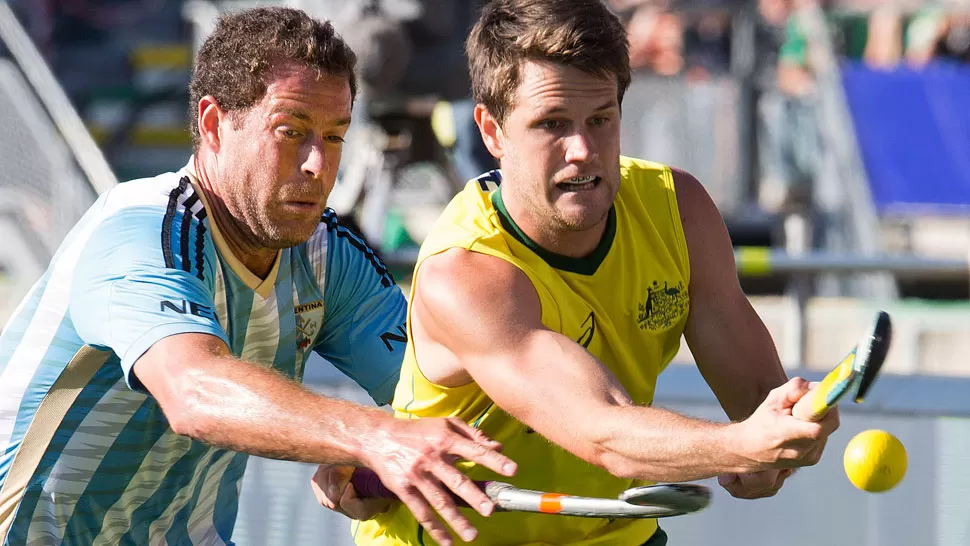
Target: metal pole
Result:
[761, 261]
[65, 117]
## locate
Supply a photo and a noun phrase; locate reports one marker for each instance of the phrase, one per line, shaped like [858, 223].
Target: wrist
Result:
[733, 444]
[370, 438]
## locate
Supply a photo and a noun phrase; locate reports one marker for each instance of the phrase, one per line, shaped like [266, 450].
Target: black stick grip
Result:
[368, 485]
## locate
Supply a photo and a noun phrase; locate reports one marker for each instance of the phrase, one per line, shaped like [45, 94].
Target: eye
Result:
[291, 133]
[551, 124]
[597, 121]
[335, 139]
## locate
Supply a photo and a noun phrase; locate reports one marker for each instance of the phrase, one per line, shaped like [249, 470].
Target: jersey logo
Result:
[398, 335]
[309, 317]
[184, 306]
[664, 306]
[489, 181]
[587, 336]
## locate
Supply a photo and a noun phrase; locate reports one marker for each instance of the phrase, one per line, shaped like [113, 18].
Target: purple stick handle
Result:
[368, 485]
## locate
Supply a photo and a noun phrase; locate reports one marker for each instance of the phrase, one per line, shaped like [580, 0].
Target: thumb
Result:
[725, 480]
[786, 396]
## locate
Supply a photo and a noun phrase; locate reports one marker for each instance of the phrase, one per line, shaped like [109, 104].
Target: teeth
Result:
[580, 180]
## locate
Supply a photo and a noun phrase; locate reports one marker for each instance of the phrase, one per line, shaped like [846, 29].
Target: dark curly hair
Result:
[234, 59]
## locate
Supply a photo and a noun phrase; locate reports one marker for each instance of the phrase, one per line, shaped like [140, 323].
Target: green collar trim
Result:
[586, 265]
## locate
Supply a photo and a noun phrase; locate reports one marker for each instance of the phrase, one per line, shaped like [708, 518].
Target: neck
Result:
[238, 237]
[569, 243]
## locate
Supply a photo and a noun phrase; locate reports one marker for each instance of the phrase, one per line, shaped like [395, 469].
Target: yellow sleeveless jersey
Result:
[626, 303]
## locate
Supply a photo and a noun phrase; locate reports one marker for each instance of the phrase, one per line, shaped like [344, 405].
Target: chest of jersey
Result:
[276, 326]
[630, 313]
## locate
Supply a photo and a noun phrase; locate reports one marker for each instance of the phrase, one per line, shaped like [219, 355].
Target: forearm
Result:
[583, 408]
[736, 355]
[660, 445]
[245, 407]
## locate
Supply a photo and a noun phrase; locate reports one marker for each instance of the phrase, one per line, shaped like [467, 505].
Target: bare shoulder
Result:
[694, 202]
[460, 282]
[699, 215]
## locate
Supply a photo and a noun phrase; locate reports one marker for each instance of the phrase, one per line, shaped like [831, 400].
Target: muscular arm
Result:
[550, 382]
[730, 343]
[211, 396]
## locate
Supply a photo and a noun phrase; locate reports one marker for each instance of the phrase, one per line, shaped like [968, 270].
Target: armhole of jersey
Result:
[544, 312]
[676, 223]
[547, 315]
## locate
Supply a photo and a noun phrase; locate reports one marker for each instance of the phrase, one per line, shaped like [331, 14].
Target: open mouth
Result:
[579, 183]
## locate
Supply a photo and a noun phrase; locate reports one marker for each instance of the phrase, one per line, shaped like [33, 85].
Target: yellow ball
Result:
[875, 461]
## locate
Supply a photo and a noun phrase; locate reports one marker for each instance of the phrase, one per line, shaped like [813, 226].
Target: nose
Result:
[579, 147]
[315, 161]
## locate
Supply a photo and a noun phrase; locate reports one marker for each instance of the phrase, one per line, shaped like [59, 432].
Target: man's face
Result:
[560, 146]
[278, 160]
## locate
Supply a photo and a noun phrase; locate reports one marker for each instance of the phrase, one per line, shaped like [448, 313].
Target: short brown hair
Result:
[582, 34]
[234, 59]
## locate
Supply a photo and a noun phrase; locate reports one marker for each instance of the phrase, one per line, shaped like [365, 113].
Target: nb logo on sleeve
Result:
[185, 306]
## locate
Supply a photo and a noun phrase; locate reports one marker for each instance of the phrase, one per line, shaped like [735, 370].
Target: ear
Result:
[211, 116]
[491, 130]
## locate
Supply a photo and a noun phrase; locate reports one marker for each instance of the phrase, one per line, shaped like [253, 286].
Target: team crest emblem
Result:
[309, 317]
[665, 305]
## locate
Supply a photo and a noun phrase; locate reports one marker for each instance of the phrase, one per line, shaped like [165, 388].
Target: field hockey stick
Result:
[652, 501]
[855, 374]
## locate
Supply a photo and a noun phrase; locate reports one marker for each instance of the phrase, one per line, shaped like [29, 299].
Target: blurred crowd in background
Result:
[97, 49]
[747, 65]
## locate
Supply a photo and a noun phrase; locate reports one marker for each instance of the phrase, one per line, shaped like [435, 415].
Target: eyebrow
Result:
[561, 109]
[303, 116]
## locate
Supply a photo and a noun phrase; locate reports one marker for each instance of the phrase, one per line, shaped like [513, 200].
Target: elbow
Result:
[181, 422]
[600, 453]
[182, 409]
[618, 465]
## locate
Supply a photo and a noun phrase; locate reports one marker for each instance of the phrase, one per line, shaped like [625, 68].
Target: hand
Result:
[415, 460]
[772, 438]
[755, 485]
[331, 486]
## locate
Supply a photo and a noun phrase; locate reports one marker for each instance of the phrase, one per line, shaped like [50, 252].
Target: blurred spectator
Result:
[934, 34]
[415, 48]
[707, 44]
[884, 43]
[788, 140]
[656, 41]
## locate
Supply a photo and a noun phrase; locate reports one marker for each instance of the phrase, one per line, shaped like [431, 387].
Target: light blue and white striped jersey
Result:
[86, 455]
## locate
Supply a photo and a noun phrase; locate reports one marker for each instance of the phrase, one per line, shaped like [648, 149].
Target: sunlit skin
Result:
[267, 171]
[564, 124]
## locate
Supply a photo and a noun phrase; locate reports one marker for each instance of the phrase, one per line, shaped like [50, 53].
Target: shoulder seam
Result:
[333, 224]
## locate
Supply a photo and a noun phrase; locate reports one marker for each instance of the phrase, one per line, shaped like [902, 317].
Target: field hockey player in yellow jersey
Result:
[551, 294]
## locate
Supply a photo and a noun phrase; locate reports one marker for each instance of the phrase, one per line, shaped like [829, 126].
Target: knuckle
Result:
[457, 481]
[439, 501]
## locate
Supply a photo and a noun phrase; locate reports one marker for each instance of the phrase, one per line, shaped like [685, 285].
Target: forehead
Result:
[294, 85]
[544, 85]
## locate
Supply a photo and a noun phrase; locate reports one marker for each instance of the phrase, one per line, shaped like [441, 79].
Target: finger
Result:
[802, 433]
[474, 434]
[758, 485]
[830, 423]
[329, 483]
[739, 491]
[361, 509]
[725, 480]
[445, 505]
[477, 453]
[787, 395]
[464, 488]
[425, 515]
